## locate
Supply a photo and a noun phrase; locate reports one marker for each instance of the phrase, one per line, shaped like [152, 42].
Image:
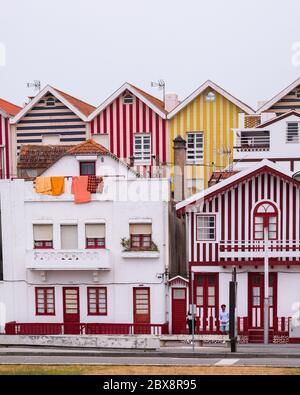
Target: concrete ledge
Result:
[85, 341]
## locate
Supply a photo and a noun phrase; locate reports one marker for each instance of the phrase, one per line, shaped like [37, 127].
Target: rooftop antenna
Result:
[161, 85]
[36, 85]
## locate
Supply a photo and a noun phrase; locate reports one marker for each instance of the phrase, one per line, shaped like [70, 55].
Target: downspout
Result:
[166, 258]
[187, 252]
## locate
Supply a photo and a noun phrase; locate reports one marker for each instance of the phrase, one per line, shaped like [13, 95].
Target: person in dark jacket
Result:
[191, 320]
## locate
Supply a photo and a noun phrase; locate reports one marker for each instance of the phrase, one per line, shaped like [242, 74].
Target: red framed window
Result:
[95, 242]
[44, 301]
[265, 216]
[43, 236]
[97, 300]
[43, 244]
[88, 168]
[206, 227]
[141, 242]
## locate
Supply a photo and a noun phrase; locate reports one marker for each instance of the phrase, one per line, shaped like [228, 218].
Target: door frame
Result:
[172, 304]
[64, 302]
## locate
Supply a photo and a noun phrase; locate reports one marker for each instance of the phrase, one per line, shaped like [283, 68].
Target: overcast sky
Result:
[89, 48]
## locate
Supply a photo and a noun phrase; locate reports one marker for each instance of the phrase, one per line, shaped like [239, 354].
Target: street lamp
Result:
[266, 293]
[192, 311]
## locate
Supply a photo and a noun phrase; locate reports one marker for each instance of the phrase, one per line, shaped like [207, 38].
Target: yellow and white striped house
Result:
[205, 119]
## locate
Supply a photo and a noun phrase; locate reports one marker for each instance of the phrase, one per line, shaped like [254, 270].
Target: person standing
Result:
[224, 320]
[191, 321]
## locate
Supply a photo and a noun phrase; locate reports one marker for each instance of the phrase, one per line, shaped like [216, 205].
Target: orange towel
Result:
[58, 185]
[43, 185]
[79, 189]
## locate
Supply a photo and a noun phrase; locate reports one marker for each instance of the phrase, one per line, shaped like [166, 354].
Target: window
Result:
[43, 236]
[142, 148]
[140, 236]
[95, 236]
[194, 147]
[69, 237]
[50, 102]
[292, 134]
[206, 227]
[87, 168]
[298, 93]
[97, 300]
[265, 216]
[128, 99]
[44, 301]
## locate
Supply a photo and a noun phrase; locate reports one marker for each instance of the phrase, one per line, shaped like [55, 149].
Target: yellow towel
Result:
[58, 185]
[43, 185]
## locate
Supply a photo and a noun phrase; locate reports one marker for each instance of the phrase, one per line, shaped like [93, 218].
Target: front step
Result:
[257, 336]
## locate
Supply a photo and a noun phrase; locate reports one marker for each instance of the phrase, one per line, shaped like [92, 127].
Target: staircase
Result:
[257, 336]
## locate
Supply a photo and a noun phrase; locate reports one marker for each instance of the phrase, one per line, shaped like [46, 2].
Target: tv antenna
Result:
[161, 85]
[36, 85]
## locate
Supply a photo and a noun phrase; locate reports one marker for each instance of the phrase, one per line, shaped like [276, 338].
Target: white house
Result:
[64, 268]
[276, 138]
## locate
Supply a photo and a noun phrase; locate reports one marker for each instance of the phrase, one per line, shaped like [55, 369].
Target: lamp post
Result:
[192, 311]
[266, 284]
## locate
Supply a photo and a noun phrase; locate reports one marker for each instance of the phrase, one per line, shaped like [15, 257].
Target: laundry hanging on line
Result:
[54, 185]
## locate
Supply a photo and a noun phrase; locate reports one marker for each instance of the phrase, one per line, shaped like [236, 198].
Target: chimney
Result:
[179, 168]
[171, 101]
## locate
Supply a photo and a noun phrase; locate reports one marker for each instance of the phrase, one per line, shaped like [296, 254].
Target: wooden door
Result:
[179, 311]
[206, 297]
[71, 310]
[141, 310]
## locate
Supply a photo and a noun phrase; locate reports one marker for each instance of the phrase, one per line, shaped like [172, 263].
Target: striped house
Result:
[238, 222]
[286, 100]
[132, 125]
[7, 110]
[51, 117]
[205, 119]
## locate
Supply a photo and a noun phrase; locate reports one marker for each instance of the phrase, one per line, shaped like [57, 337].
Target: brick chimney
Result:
[179, 168]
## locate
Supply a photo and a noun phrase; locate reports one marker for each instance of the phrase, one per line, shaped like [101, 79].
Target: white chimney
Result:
[171, 101]
[266, 116]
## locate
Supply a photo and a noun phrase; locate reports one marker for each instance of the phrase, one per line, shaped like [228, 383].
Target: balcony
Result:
[252, 141]
[68, 260]
[258, 249]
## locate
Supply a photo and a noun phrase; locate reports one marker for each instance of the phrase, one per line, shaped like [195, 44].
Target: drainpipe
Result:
[166, 258]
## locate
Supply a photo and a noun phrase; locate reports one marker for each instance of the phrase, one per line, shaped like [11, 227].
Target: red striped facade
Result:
[5, 150]
[234, 212]
[122, 121]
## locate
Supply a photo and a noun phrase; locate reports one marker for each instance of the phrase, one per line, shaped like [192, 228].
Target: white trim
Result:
[178, 278]
[42, 222]
[279, 96]
[117, 93]
[197, 92]
[95, 222]
[39, 96]
[87, 158]
[4, 114]
[274, 120]
[140, 221]
[230, 180]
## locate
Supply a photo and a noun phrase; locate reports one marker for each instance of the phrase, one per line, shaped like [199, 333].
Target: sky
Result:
[89, 48]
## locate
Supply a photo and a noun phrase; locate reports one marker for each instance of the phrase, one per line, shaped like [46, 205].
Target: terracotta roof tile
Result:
[40, 156]
[154, 100]
[218, 176]
[88, 147]
[9, 108]
[82, 106]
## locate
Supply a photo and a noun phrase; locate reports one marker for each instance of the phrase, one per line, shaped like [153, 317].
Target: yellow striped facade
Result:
[216, 120]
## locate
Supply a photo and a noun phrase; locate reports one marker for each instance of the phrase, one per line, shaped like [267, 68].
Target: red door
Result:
[256, 300]
[141, 310]
[206, 298]
[71, 310]
[179, 311]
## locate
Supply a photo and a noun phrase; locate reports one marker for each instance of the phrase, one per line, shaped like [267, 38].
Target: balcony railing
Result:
[258, 249]
[252, 143]
[68, 260]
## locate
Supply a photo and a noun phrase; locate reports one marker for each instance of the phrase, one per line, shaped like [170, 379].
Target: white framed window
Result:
[292, 132]
[128, 99]
[194, 152]
[206, 227]
[50, 102]
[142, 148]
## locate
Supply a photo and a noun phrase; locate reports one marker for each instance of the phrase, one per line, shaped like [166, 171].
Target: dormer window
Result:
[127, 99]
[50, 102]
[298, 93]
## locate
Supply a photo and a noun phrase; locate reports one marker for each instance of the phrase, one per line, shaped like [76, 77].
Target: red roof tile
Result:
[88, 147]
[82, 106]
[9, 108]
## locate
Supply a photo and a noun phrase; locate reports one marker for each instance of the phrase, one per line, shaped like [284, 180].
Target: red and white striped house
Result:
[132, 125]
[226, 228]
[7, 110]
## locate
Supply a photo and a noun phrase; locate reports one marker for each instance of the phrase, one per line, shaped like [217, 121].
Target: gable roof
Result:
[217, 88]
[278, 118]
[153, 102]
[80, 108]
[261, 167]
[88, 147]
[279, 96]
[9, 108]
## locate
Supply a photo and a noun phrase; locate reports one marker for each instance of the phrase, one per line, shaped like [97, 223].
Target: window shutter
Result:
[69, 237]
[42, 232]
[95, 231]
[140, 229]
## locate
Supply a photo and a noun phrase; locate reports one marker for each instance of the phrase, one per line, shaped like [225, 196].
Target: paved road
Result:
[275, 362]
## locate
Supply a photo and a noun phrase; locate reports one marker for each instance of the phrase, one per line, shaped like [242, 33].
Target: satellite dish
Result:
[296, 176]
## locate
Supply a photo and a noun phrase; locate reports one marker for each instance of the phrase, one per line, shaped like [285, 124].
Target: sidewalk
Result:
[212, 351]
